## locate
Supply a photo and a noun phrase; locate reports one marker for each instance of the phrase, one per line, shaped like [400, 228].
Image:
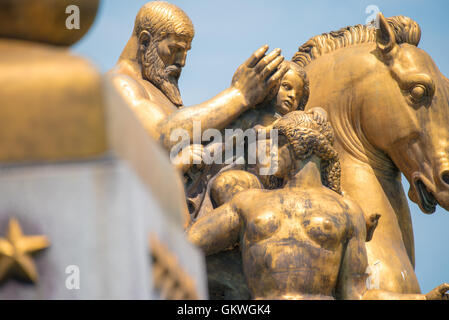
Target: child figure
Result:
[292, 94]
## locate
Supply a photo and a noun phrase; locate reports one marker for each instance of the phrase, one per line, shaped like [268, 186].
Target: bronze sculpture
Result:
[302, 241]
[388, 105]
[148, 69]
[44, 20]
[367, 80]
[290, 94]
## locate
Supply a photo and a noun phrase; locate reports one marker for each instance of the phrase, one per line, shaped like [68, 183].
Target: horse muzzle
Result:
[428, 193]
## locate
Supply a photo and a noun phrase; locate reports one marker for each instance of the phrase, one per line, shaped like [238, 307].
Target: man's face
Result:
[290, 93]
[162, 62]
[173, 52]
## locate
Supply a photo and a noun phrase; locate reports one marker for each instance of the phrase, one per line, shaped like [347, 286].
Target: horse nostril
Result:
[445, 177]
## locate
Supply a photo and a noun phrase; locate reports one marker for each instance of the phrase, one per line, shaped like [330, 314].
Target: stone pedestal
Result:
[98, 216]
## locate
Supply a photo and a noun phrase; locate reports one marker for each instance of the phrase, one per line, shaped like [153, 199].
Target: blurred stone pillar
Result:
[77, 167]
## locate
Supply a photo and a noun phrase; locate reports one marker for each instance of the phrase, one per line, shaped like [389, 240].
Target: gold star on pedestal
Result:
[16, 250]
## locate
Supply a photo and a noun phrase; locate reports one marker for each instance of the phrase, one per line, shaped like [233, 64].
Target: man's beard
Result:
[164, 78]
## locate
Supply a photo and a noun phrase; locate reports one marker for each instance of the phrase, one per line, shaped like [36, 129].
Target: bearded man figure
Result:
[149, 67]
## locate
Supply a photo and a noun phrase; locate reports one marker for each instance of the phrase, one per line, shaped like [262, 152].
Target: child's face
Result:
[290, 93]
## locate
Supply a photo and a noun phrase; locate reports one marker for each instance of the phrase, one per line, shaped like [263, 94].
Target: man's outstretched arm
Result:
[250, 85]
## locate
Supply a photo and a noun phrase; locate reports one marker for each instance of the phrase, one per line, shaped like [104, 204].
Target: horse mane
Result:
[406, 30]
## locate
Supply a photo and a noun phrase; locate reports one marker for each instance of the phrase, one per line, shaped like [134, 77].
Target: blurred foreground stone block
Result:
[45, 20]
[51, 104]
[98, 216]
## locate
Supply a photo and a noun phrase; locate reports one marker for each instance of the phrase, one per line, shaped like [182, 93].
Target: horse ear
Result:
[385, 38]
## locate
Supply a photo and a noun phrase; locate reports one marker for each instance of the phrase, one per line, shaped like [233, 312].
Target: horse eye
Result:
[418, 92]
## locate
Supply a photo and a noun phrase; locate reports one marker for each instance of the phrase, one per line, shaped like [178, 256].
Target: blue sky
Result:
[227, 32]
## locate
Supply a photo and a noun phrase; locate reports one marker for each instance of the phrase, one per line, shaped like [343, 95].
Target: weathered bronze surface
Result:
[303, 241]
[149, 67]
[15, 253]
[45, 20]
[388, 104]
[291, 94]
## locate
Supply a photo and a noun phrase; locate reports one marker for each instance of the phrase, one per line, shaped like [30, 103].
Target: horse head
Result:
[413, 98]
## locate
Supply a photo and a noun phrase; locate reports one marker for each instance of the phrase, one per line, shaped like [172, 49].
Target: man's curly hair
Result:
[306, 138]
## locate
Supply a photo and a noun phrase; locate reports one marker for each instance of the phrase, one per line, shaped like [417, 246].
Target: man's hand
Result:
[186, 158]
[257, 75]
[439, 293]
